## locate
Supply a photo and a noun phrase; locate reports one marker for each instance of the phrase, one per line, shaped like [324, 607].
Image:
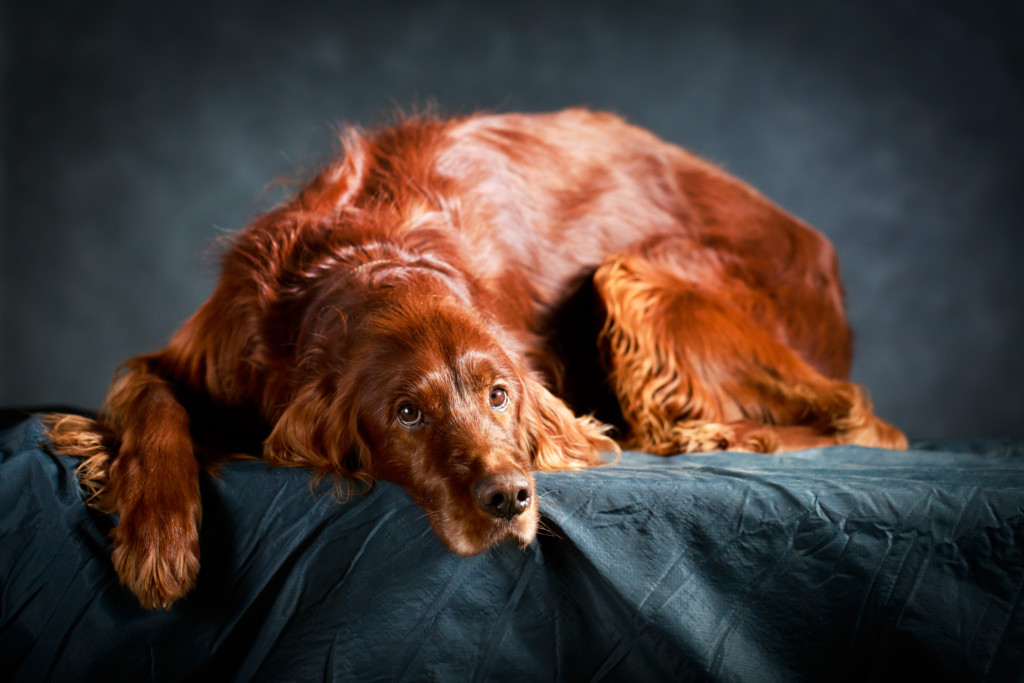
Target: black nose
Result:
[503, 495]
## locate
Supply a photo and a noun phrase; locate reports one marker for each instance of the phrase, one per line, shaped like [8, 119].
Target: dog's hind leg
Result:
[699, 362]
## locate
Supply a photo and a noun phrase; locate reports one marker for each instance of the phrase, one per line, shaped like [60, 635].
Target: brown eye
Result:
[409, 415]
[498, 398]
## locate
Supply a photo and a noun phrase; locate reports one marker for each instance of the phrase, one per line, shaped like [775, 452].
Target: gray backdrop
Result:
[134, 136]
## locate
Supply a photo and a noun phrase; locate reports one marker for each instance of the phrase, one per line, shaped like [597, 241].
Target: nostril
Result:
[503, 496]
[522, 500]
[497, 501]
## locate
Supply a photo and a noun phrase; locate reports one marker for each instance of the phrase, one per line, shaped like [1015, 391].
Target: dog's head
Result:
[420, 390]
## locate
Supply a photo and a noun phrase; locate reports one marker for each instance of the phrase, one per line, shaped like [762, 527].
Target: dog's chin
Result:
[477, 532]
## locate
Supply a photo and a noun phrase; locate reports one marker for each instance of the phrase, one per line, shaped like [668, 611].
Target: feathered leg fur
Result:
[696, 366]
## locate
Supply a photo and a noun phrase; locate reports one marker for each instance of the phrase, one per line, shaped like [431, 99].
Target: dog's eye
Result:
[498, 398]
[409, 415]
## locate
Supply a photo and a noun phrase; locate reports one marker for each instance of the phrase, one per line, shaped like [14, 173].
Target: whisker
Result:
[544, 530]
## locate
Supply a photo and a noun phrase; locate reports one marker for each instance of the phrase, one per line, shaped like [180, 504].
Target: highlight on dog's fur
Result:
[397, 319]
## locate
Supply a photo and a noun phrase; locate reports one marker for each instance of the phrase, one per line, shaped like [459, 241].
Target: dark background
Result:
[134, 136]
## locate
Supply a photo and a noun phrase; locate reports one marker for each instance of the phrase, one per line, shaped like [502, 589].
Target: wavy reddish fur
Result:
[393, 321]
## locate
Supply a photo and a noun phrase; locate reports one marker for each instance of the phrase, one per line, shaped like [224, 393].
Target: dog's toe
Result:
[157, 562]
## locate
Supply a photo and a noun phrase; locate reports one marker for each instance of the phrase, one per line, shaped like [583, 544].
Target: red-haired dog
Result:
[398, 320]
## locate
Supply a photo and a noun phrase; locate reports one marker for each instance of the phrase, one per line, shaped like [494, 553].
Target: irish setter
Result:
[404, 318]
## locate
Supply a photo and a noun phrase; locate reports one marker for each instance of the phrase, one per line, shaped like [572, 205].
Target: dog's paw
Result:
[687, 437]
[703, 437]
[157, 555]
[707, 437]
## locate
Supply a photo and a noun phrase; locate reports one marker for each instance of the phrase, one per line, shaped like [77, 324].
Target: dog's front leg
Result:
[153, 485]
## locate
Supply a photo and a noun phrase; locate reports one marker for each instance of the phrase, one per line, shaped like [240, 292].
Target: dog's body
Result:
[395, 319]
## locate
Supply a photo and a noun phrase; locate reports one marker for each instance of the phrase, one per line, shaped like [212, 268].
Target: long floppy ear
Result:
[319, 430]
[555, 438]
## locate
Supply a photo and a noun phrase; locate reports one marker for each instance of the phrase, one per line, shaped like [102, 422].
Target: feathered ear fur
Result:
[319, 430]
[558, 440]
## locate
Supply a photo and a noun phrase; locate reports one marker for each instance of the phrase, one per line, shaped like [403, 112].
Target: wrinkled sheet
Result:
[833, 564]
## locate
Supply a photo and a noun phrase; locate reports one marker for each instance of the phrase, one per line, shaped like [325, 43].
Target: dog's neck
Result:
[371, 264]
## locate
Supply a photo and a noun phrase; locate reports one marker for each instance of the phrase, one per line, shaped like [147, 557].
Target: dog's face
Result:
[420, 391]
[414, 387]
[441, 410]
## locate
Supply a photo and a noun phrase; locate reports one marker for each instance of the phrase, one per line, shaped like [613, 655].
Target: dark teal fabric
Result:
[832, 564]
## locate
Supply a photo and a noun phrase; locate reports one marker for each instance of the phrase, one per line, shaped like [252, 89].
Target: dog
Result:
[401, 319]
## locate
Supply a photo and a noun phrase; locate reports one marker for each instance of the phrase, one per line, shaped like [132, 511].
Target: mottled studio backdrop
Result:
[134, 136]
